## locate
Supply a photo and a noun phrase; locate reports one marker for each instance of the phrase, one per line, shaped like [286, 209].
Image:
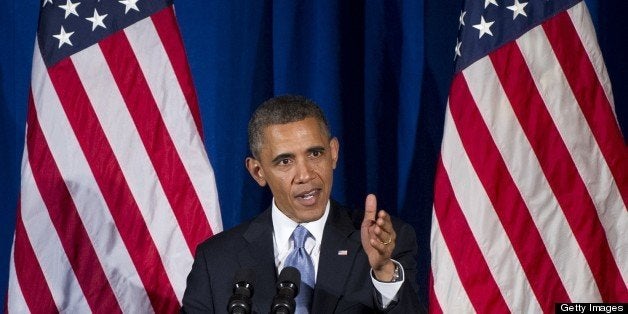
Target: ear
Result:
[255, 169]
[335, 148]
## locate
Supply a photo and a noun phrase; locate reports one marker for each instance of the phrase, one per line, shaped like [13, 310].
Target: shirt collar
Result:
[283, 226]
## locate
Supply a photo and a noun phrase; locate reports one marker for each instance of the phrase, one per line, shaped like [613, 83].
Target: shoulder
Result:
[225, 240]
[240, 235]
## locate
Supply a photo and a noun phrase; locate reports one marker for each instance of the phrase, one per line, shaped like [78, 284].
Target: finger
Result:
[385, 231]
[381, 232]
[382, 249]
[382, 214]
[384, 222]
[379, 235]
[370, 208]
[383, 217]
[378, 246]
[383, 235]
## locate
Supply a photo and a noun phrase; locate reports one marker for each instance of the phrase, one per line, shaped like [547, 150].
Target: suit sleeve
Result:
[406, 253]
[198, 296]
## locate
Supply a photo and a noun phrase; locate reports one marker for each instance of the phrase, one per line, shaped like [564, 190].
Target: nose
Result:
[304, 173]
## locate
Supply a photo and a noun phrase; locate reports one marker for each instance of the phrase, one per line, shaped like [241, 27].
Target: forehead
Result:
[293, 136]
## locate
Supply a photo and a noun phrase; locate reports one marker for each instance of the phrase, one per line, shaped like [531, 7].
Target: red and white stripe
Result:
[532, 183]
[117, 189]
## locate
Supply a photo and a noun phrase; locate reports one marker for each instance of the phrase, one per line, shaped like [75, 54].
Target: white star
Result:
[462, 14]
[63, 37]
[97, 20]
[70, 8]
[487, 2]
[457, 49]
[484, 27]
[129, 4]
[517, 8]
[45, 2]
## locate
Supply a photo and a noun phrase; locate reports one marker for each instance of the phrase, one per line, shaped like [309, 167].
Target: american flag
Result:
[532, 183]
[117, 189]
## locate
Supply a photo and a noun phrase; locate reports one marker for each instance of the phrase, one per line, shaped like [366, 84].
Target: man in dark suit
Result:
[363, 262]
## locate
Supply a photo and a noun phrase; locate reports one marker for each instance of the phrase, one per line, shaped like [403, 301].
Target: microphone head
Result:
[240, 300]
[243, 281]
[287, 289]
[289, 277]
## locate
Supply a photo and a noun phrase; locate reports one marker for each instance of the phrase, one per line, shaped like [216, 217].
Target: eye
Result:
[316, 153]
[283, 161]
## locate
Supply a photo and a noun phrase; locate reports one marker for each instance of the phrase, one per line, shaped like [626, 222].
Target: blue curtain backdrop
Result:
[379, 69]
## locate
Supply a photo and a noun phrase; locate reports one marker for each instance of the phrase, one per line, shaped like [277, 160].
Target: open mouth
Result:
[309, 197]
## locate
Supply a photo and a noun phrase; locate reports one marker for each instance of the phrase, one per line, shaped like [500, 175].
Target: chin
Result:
[312, 215]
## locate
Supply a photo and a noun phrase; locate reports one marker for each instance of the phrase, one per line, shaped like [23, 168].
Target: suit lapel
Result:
[338, 252]
[259, 256]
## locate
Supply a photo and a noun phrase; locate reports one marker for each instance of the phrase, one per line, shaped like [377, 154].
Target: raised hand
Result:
[378, 239]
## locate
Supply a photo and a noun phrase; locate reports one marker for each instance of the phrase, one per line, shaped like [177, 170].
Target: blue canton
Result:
[69, 26]
[486, 25]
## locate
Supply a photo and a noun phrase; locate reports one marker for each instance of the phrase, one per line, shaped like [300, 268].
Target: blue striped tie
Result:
[301, 260]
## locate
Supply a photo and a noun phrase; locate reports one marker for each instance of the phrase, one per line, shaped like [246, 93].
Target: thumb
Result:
[370, 208]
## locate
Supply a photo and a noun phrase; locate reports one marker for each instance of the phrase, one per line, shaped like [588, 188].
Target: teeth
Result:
[309, 195]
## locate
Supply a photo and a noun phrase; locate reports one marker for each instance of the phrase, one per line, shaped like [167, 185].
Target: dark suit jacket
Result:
[343, 283]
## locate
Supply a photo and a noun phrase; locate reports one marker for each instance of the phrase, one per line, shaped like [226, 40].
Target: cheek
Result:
[321, 165]
[283, 181]
[324, 168]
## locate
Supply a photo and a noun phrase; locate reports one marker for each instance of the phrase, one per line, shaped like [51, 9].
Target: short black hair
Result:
[281, 110]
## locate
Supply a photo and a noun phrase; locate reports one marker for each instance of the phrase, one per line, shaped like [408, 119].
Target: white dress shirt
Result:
[283, 228]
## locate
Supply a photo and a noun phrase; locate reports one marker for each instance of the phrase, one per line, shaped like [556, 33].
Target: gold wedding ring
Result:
[387, 242]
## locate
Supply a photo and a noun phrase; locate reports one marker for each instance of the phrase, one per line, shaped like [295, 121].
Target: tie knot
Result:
[299, 235]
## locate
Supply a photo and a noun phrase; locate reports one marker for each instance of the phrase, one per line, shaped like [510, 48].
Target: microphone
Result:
[287, 289]
[240, 300]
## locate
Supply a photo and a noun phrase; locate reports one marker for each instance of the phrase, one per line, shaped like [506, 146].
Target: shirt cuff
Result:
[388, 290]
